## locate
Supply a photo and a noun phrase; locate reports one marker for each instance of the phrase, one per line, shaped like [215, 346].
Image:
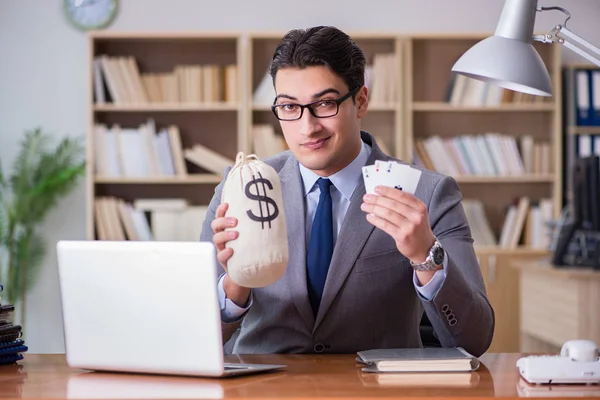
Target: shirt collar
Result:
[345, 180]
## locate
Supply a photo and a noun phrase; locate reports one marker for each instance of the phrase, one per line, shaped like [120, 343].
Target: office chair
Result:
[428, 336]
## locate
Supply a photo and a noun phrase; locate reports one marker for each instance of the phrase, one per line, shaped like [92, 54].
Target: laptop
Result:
[144, 307]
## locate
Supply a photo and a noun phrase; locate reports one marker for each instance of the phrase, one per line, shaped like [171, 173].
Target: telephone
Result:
[578, 362]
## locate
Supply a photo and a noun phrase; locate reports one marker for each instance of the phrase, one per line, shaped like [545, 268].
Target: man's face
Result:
[323, 145]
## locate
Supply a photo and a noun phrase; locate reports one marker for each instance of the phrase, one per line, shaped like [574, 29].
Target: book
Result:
[431, 359]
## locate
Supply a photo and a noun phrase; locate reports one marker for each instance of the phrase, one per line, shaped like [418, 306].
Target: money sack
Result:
[260, 252]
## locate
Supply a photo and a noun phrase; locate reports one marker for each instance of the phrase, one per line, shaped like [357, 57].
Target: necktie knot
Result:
[324, 185]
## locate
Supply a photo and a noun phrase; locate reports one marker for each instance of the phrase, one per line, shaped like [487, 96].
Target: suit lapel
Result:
[293, 204]
[353, 235]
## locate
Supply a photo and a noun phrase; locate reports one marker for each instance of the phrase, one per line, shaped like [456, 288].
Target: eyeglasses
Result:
[318, 109]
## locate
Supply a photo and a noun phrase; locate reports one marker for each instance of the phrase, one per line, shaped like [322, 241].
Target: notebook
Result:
[430, 359]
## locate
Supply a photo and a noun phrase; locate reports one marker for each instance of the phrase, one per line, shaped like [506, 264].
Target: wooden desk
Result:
[557, 305]
[307, 376]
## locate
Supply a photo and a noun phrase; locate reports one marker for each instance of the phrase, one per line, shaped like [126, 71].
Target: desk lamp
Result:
[508, 58]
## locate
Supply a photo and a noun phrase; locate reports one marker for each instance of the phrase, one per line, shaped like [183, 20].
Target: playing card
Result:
[391, 174]
[407, 177]
[368, 172]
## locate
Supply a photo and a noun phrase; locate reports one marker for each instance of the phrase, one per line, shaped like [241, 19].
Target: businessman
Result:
[362, 268]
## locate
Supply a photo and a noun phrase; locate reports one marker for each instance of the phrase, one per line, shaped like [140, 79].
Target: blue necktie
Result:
[320, 247]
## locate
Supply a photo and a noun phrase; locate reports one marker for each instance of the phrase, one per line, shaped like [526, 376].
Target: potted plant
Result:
[41, 174]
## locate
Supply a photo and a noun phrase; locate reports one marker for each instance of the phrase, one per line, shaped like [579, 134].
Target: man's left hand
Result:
[404, 217]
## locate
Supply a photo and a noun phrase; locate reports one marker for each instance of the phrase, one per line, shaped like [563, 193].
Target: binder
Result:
[595, 96]
[583, 96]
[585, 146]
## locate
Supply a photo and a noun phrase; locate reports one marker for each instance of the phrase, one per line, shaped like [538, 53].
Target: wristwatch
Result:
[434, 260]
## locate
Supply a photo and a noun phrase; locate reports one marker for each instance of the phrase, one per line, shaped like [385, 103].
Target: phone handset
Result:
[580, 350]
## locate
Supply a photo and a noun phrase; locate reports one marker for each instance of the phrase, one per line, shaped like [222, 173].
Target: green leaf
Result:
[28, 256]
[32, 145]
[31, 251]
[41, 174]
[55, 175]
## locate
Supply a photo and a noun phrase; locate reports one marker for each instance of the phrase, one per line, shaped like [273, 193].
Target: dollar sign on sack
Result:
[265, 215]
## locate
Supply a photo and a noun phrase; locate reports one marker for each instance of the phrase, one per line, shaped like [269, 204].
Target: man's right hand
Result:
[238, 294]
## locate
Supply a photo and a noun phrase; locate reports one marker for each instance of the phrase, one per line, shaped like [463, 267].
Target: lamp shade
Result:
[506, 62]
[508, 58]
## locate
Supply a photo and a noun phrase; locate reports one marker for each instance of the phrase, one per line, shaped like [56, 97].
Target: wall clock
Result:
[90, 14]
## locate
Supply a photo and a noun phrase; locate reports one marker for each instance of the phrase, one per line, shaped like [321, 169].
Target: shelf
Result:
[372, 107]
[188, 180]
[168, 107]
[504, 179]
[261, 108]
[583, 130]
[196, 35]
[447, 107]
[382, 107]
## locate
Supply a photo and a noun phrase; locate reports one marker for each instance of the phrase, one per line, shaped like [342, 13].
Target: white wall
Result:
[43, 77]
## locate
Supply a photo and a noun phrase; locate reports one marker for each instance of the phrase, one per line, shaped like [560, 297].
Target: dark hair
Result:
[321, 45]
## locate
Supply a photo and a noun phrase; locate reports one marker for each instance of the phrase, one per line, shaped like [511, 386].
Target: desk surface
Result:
[307, 376]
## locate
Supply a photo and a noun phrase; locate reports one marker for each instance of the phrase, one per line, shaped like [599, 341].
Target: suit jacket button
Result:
[319, 347]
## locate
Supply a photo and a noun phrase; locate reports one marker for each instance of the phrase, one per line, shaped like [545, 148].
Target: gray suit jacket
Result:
[369, 300]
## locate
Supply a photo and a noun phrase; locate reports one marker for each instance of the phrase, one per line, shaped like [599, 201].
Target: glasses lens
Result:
[288, 111]
[325, 108]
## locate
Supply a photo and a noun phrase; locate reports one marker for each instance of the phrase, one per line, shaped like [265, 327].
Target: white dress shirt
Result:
[343, 184]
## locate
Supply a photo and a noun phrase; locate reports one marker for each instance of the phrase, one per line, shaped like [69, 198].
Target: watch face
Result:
[438, 256]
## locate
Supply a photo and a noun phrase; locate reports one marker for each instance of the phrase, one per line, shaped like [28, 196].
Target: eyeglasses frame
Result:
[338, 102]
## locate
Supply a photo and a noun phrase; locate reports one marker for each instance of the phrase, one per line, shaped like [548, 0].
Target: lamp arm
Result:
[561, 35]
[589, 51]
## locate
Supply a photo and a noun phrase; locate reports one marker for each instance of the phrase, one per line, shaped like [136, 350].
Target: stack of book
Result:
[11, 344]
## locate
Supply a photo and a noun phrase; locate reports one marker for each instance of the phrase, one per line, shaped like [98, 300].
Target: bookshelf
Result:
[413, 98]
[159, 96]
[500, 145]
